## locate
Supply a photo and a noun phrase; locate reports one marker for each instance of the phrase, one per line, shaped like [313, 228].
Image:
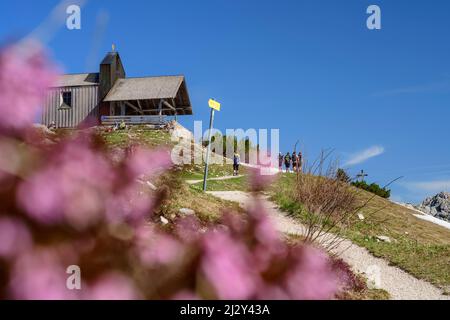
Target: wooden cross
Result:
[362, 175]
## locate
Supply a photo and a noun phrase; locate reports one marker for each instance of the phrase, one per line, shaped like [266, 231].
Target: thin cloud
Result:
[434, 186]
[424, 88]
[364, 155]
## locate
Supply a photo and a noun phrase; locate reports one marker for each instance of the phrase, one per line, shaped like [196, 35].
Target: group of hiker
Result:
[295, 161]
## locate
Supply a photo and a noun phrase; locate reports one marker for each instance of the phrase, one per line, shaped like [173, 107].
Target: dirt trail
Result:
[214, 179]
[399, 284]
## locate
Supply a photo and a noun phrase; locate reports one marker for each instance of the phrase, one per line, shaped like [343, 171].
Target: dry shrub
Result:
[328, 205]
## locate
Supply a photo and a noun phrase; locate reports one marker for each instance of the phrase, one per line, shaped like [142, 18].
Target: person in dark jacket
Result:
[287, 162]
[294, 161]
[236, 163]
[280, 162]
[300, 162]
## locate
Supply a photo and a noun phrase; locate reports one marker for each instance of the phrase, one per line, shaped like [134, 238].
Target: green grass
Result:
[235, 184]
[195, 172]
[367, 294]
[206, 207]
[137, 135]
[418, 247]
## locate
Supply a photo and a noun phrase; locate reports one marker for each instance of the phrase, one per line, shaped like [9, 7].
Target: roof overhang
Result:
[153, 91]
[78, 80]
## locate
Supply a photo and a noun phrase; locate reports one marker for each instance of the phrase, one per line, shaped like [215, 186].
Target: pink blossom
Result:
[71, 187]
[39, 276]
[15, 237]
[265, 231]
[188, 228]
[155, 248]
[23, 84]
[129, 204]
[42, 197]
[185, 295]
[227, 265]
[147, 162]
[312, 278]
[234, 223]
[112, 286]
[272, 292]
[261, 178]
[11, 158]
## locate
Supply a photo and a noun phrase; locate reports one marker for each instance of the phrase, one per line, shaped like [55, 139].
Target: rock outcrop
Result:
[437, 206]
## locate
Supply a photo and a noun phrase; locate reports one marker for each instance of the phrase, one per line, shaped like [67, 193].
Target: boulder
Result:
[186, 212]
[437, 206]
[164, 221]
[384, 239]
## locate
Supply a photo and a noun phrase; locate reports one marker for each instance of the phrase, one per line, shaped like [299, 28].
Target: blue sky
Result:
[310, 68]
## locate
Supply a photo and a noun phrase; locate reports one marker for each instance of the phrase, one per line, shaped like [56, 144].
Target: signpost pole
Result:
[211, 122]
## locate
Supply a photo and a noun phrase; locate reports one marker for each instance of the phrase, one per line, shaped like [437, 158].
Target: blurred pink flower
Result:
[188, 228]
[130, 204]
[227, 265]
[264, 225]
[272, 292]
[11, 158]
[144, 162]
[156, 248]
[261, 178]
[312, 278]
[111, 286]
[41, 196]
[15, 237]
[185, 295]
[24, 81]
[39, 276]
[235, 223]
[71, 187]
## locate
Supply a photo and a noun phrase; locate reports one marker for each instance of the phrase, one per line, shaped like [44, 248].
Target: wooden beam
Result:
[175, 106]
[163, 110]
[160, 109]
[133, 107]
[139, 104]
[168, 105]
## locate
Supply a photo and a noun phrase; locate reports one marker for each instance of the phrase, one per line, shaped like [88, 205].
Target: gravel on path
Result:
[398, 283]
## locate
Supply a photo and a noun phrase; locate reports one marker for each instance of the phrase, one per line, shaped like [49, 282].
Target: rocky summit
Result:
[437, 206]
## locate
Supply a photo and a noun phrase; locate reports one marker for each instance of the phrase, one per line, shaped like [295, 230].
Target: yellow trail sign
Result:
[213, 104]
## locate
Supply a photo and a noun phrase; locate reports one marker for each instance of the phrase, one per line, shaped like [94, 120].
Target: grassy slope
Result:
[235, 184]
[195, 172]
[207, 208]
[137, 135]
[419, 247]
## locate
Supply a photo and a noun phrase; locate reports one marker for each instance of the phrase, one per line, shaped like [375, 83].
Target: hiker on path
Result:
[280, 162]
[300, 162]
[294, 161]
[287, 162]
[236, 163]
